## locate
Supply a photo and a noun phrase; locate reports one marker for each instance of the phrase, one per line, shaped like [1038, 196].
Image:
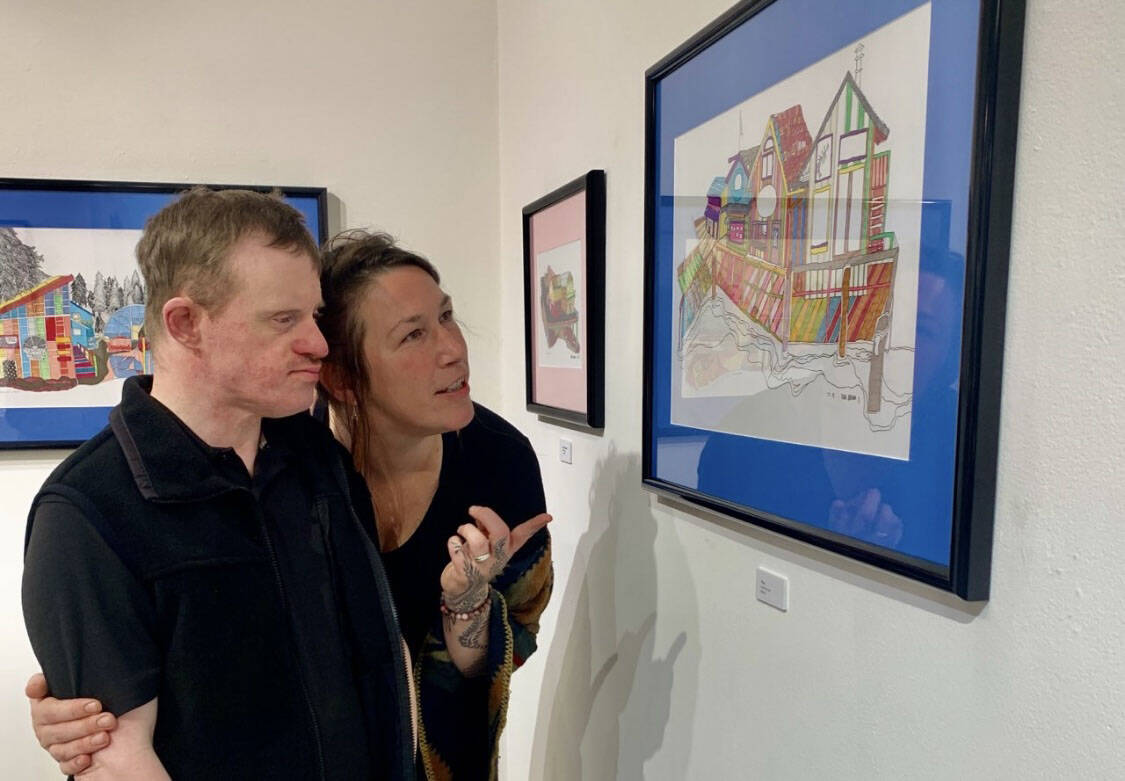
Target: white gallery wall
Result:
[440, 120]
[392, 106]
[658, 663]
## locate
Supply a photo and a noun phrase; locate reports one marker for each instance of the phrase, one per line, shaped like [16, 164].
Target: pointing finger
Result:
[525, 530]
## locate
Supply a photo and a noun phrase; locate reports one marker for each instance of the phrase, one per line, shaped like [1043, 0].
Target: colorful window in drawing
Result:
[822, 163]
[767, 161]
[796, 230]
[853, 147]
[820, 205]
[737, 228]
[849, 207]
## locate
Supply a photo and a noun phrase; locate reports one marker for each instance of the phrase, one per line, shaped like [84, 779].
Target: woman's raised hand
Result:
[479, 552]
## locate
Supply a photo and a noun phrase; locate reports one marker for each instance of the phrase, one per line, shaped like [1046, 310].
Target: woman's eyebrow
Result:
[445, 301]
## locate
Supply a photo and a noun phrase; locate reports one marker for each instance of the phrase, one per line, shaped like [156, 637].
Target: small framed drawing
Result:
[827, 216]
[564, 301]
[72, 299]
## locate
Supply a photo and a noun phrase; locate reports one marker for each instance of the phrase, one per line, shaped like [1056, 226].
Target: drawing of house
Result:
[848, 256]
[128, 349]
[557, 300]
[714, 206]
[802, 229]
[736, 197]
[35, 335]
[84, 343]
[751, 267]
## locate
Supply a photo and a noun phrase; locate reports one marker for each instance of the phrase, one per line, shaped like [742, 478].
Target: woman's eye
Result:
[447, 315]
[415, 334]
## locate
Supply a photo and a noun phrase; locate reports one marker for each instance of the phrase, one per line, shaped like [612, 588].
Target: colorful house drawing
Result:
[84, 342]
[843, 279]
[35, 333]
[714, 205]
[811, 234]
[129, 353]
[557, 301]
[735, 200]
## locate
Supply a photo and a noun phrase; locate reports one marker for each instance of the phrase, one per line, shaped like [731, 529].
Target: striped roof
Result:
[46, 286]
[795, 141]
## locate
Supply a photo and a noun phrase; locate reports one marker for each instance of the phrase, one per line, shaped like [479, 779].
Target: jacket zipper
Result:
[406, 719]
[300, 668]
[383, 588]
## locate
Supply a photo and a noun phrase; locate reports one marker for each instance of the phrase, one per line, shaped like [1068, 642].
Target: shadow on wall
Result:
[607, 693]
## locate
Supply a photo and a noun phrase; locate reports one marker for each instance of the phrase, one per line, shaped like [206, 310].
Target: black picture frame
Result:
[748, 477]
[569, 220]
[94, 214]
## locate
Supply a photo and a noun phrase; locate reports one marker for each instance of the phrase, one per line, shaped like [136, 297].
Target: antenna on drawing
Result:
[739, 130]
[858, 63]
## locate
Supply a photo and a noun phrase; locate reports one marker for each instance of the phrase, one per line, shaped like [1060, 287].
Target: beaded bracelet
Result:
[476, 611]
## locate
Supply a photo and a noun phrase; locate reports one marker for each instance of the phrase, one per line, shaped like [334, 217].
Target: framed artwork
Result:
[72, 300]
[827, 215]
[564, 301]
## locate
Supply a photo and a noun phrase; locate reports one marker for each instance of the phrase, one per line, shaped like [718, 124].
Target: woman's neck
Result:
[403, 485]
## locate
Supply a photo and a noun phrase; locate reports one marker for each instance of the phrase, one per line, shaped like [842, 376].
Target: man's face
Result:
[262, 351]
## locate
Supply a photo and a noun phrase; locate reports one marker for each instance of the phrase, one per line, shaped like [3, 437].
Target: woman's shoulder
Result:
[498, 466]
[489, 429]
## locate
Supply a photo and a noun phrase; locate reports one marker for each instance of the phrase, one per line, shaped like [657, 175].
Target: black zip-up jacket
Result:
[199, 575]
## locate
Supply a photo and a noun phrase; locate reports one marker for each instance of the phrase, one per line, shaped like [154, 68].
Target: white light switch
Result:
[773, 589]
[566, 450]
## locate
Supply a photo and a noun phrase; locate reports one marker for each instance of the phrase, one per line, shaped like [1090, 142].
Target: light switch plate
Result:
[566, 451]
[773, 589]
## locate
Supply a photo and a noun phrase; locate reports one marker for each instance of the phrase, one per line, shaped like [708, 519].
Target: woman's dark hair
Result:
[351, 262]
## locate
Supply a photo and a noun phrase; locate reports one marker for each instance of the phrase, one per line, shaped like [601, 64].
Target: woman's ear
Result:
[331, 378]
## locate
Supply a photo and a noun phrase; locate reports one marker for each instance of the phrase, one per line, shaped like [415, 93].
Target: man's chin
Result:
[291, 406]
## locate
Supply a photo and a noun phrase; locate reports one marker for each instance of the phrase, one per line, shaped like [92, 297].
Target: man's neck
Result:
[211, 421]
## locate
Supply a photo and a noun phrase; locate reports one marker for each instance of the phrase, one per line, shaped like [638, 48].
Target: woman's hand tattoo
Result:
[474, 594]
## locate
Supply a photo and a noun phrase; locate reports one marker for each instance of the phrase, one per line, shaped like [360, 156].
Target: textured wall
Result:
[658, 662]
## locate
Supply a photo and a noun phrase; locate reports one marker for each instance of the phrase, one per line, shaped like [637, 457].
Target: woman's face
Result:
[417, 361]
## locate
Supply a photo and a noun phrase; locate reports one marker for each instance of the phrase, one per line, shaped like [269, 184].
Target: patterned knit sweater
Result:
[453, 707]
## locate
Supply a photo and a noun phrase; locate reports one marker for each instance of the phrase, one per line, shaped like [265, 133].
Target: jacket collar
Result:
[169, 462]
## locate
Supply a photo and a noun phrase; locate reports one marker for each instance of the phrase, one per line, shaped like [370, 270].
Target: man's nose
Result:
[312, 342]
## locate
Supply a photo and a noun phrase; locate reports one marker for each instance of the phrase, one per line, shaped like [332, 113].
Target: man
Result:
[198, 565]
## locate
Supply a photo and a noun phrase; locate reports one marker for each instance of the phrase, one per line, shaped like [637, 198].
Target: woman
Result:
[442, 472]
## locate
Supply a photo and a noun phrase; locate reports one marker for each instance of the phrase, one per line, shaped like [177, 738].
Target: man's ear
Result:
[182, 318]
[331, 377]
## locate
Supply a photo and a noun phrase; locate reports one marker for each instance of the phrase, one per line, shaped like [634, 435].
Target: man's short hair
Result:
[185, 246]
